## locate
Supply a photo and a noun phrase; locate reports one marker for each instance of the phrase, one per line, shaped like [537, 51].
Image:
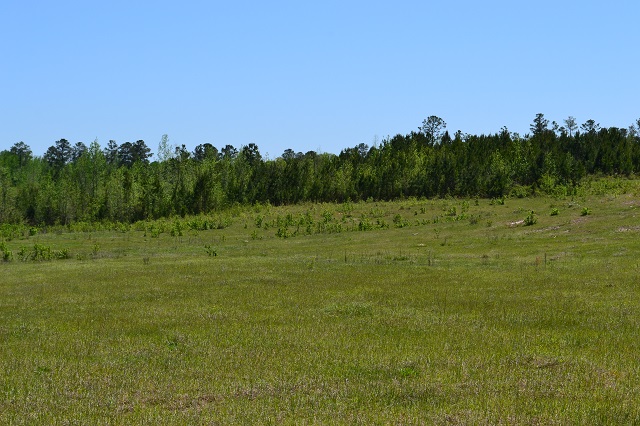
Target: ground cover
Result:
[448, 311]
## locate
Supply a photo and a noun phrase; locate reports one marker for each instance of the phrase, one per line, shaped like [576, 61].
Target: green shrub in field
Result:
[176, 230]
[520, 191]
[365, 225]
[5, 253]
[283, 232]
[210, 250]
[555, 211]
[585, 211]
[61, 254]
[531, 219]
[41, 253]
[399, 222]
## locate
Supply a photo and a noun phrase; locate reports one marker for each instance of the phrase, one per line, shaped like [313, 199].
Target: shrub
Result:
[555, 211]
[531, 219]
[62, 254]
[399, 222]
[5, 253]
[210, 250]
[520, 191]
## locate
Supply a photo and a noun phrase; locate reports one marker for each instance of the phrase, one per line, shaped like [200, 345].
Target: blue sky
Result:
[319, 76]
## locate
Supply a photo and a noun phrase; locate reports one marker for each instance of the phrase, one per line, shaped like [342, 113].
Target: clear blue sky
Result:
[320, 76]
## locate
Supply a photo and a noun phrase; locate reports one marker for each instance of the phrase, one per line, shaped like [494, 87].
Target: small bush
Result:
[520, 191]
[283, 232]
[399, 222]
[41, 252]
[586, 211]
[62, 254]
[365, 225]
[555, 211]
[531, 219]
[210, 250]
[5, 253]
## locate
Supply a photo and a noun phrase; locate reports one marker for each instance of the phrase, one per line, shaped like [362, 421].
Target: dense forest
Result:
[120, 183]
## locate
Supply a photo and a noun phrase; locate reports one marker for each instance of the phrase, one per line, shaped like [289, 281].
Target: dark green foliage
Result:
[80, 184]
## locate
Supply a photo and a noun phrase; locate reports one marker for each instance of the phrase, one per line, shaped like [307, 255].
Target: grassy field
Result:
[413, 312]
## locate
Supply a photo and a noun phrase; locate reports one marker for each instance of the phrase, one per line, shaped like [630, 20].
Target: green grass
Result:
[436, 312]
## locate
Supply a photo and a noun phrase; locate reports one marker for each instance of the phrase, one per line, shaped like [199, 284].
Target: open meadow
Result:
[444, 311]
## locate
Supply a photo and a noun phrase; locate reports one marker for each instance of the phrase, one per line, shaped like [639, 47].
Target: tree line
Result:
[120, 183]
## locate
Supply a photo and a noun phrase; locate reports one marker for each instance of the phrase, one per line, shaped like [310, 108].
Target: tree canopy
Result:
[120, 182]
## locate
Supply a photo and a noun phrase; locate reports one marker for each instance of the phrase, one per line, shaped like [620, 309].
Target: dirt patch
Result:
[629, 229]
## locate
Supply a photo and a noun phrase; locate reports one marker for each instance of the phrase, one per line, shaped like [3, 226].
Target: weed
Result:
[585, 211]
[555, 211]
[210, 250]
